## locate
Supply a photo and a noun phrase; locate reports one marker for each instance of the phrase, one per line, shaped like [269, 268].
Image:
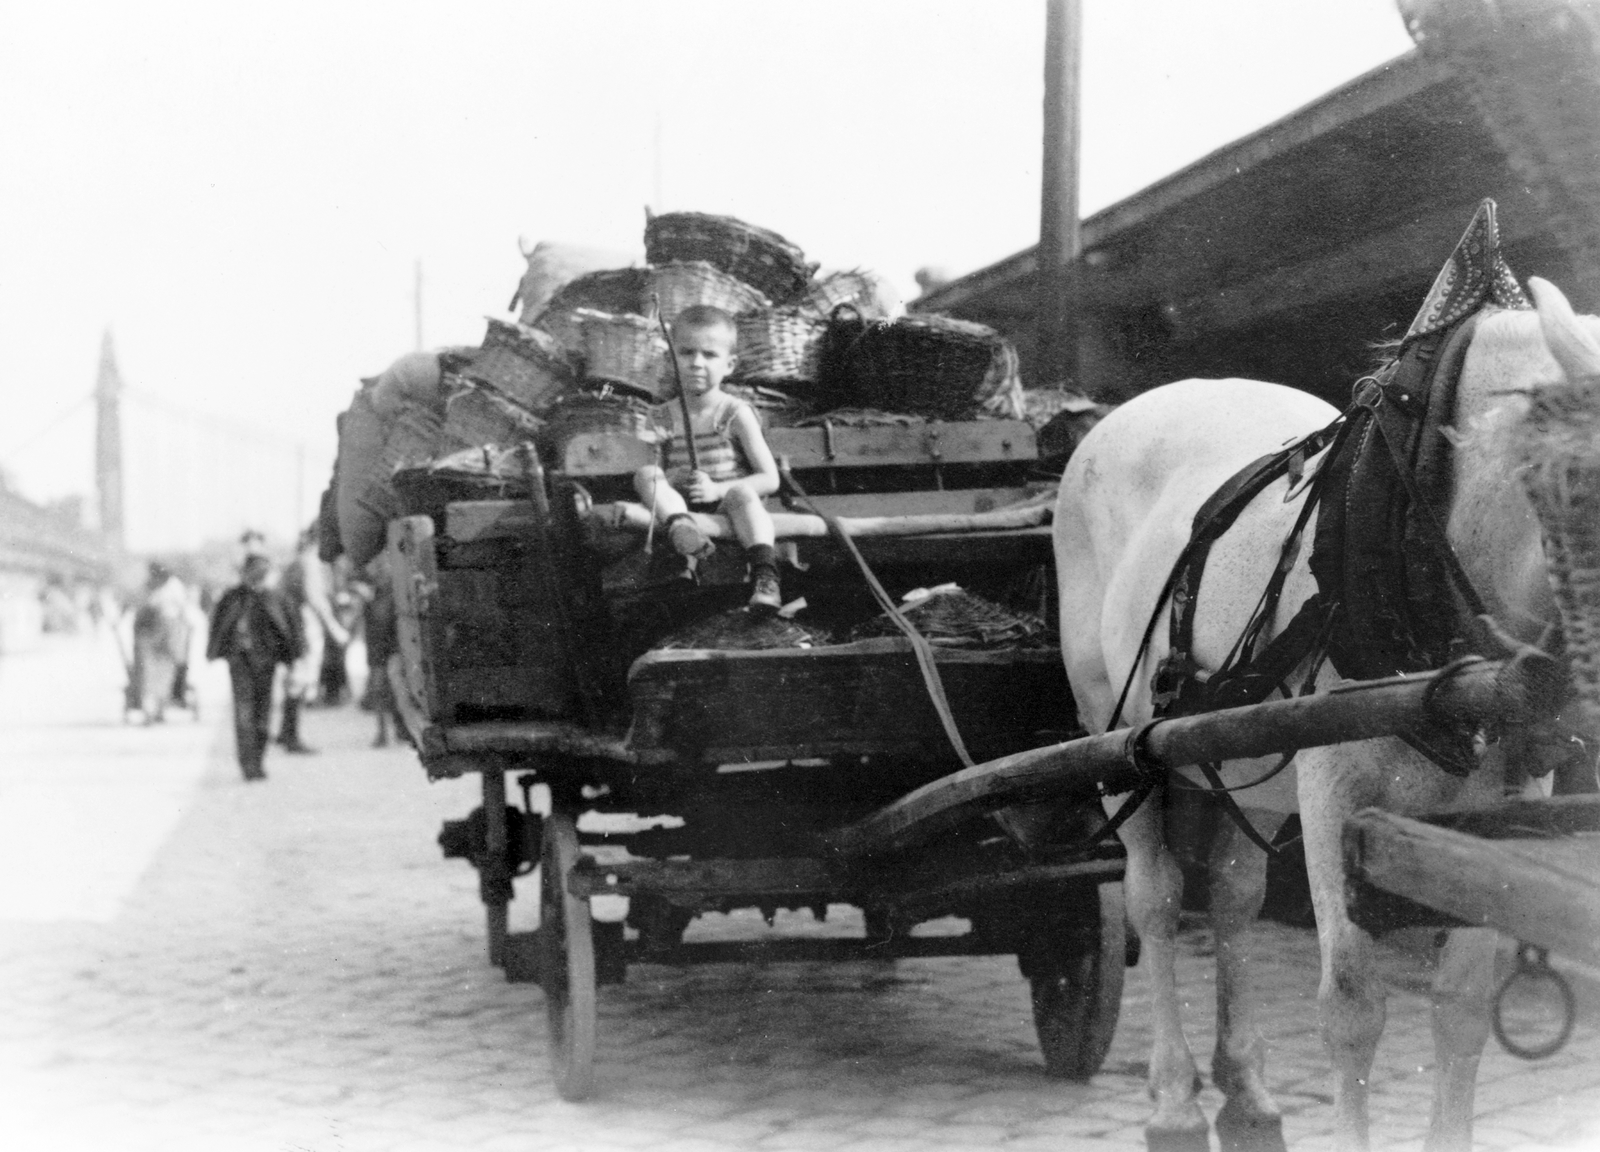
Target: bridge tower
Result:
[108, 444]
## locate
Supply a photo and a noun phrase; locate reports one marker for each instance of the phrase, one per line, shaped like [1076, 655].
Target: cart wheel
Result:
[566, 966]
[1075, 965]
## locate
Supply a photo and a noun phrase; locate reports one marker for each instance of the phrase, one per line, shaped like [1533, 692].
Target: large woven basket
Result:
[933, 366]
[525, 364]
[599, 410]
[681, 284]
[478, 473]
[873, 297]
[756, 256]
[783, 345]
[1560, 451]
[477, 414]
[628, 351]
[619, 291]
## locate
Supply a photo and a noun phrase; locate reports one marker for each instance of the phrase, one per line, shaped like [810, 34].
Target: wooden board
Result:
[933, 442]
[936, 442]
[728, 707]
[1543, 891]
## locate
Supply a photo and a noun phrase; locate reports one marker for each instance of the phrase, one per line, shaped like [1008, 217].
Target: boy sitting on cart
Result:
[735, 466]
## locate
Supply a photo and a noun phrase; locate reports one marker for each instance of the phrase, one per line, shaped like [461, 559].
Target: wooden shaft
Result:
[626, 515]
[1486, 692]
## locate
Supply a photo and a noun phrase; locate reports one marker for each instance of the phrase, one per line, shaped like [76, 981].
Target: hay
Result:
[742, 631]
[955, 618]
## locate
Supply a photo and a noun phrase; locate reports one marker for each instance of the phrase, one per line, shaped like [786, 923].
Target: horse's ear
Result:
[1574, 349]
[1476, 274]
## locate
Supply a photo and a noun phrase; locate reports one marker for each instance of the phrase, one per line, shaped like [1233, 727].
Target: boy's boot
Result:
[289, 734]
[686, 538]
[765, 598]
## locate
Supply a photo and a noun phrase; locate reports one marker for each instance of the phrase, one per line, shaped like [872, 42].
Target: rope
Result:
[926, 663]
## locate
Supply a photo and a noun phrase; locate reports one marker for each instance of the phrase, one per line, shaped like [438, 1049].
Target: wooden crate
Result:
[867, 697]
[480, 639]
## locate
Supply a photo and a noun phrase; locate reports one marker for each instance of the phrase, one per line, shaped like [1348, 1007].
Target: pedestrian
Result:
[305, 586]
[161, 627]
[254, 630]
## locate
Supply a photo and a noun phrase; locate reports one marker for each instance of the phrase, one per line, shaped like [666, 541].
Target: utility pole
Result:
[1058, 280]
[108, 444]
[416, 296]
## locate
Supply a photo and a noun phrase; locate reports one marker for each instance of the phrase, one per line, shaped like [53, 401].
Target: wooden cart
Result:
[524, 628]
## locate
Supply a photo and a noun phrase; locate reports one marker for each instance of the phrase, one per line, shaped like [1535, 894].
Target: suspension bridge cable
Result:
[37, 435]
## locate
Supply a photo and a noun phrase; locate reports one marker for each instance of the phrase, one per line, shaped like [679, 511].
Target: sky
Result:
[241, 194]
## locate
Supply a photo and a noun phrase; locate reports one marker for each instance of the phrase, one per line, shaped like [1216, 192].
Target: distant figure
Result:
[161, 644]
[254, 630]
[379, 623]
[305, 586]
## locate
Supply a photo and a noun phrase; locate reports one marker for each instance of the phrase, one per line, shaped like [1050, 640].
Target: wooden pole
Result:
[1511, 692]
[1057, 286]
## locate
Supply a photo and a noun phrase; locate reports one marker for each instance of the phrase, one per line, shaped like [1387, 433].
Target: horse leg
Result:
[1463, 989]
[1153, 889]
[1351, 996]
[1250, 1120]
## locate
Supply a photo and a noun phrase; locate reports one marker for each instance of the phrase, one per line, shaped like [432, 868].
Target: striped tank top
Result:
[721, 458]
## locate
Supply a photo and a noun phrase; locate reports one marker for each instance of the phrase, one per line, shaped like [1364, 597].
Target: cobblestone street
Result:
[187, 962]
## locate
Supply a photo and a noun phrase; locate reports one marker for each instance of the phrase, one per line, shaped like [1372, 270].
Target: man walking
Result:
[305, 590]
[254, 630]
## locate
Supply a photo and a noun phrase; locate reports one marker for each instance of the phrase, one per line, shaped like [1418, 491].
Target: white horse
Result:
[1127, 500]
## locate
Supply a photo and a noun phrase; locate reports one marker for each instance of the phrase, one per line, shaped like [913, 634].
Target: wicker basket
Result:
[478, 473]
[619, 291]
[524, 364]
[413, 437]
[628, 351]
[868, 293]
[477, 414]
[933, 366]
[753, 255]
[602, 410]
[681, 284]
[780, 344]
[1560, 452]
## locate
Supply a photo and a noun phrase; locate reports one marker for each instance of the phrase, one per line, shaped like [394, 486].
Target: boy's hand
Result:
[701, 489]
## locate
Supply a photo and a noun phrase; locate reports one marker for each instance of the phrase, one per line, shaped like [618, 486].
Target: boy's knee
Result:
[738, 496]
[645, 479]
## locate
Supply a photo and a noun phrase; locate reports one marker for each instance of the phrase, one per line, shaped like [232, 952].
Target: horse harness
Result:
[1391, 595]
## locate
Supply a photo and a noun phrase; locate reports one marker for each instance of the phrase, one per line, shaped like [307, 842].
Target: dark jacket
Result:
[284, 641]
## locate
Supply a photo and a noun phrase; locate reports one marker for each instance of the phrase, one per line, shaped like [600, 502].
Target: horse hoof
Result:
[1178, 1139]
[1241, 1131]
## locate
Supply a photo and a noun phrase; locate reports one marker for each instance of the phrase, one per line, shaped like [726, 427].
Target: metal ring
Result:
[1534, 963]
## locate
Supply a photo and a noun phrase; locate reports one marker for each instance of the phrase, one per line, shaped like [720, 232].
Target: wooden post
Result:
[1057, 287]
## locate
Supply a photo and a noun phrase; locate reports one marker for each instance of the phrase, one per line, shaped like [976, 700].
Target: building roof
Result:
[1287, 253]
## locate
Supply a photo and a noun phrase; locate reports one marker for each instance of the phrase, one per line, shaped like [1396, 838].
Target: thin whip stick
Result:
[683, 399]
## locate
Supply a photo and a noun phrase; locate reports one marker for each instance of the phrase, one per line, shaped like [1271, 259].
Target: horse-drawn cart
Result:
[709, 778]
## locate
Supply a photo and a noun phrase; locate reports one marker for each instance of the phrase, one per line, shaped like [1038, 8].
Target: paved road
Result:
[190, 963]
